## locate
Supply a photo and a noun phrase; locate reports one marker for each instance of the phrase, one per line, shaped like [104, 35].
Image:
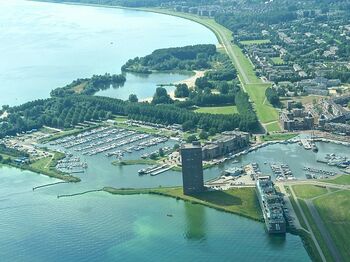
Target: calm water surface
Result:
[45, 45]
[36, 226]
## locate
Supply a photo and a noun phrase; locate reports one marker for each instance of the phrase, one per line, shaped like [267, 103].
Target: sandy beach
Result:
[190, 82]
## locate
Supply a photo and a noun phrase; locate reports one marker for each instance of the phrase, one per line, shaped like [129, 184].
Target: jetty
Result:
[306, 144]
[161, 170]
[51, 184]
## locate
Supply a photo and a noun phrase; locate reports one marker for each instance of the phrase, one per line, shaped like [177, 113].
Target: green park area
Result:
[340, 180]
[273, 127]
[226, 110]
[255, 42]
[335, 212]
[253, 85]
[278, 137]
[309, 191]
[46, 166]
[265, 111]
[240, 201]
[333, 206]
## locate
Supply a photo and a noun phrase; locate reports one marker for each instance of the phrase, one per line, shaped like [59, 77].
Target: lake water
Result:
[45, 45]
[36, 226]
[48, 45]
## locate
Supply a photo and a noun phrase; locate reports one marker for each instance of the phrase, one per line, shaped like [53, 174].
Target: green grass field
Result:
[134, 162]
[342, 180]
[265, 111]
[247, 66]
[309, 191]
[316, 231]
[224, 110]
[278, 137]
[241, 201]
[277, 60]
[255, 42]
[273, 127]
[335, 212]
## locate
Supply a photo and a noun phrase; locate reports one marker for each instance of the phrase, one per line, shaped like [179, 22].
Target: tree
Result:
[133, 98]
[212, 131]
[182, 90]
[191, 138]
[161, 97]
[223, 88]
[176, 147]
[161, 152]
[203, 135]
[202, 82]
[188, 125]
[272, 96]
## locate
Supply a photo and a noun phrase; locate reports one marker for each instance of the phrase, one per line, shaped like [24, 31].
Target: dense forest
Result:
[196, 57]
[71, 110]
[89, 86]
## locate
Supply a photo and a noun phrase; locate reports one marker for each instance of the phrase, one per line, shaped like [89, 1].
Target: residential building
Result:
[227, 142]
[192, 168]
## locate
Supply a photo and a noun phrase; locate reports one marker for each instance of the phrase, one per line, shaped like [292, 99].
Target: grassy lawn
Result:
[335, 213]
[46, 166]
[246, 65]
[255, 42]
[308, 191]
[42, 164]
[241, 201]
[277, 60]
[225, 110]
[341, 180]
[135, 162]
[265, 111]
[273, 127]
[278, 137]
[316, 231]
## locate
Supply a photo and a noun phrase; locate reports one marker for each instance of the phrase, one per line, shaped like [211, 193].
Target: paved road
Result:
[324, 232]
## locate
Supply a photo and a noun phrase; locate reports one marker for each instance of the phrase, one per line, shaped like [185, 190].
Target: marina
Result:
[71, 164]
[282, 172]
[335, 160]
[108, 140]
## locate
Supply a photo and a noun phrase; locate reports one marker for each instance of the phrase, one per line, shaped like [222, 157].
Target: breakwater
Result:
[51, 184]
[80, 193]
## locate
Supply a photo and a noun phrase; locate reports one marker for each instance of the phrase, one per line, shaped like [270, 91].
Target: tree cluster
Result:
[194, 57]
[89, 86]
[68, 111]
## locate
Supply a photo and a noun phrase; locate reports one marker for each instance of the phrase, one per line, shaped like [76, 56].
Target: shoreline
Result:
[190, 82]
[235, 53]
[164, 191]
